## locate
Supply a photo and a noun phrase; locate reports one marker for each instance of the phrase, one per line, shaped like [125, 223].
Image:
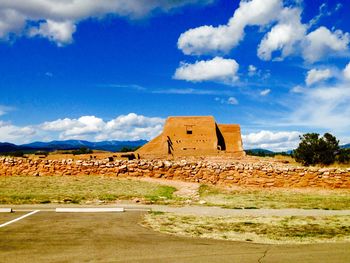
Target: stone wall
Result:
[230, 173]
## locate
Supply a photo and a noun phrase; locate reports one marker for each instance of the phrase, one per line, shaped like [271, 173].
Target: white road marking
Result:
[89, 210]
[5, 210]
[19, 218]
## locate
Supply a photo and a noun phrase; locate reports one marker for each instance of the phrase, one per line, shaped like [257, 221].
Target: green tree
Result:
[317, 150]
[343, 156]
[82, 150]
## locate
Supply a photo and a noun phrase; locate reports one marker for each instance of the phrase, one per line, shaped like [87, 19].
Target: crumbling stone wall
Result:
[229, 173]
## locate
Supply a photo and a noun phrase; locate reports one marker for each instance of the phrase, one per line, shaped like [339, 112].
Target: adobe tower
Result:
[194, 136]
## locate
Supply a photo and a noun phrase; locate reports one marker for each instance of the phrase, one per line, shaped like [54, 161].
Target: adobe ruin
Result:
[194, 136]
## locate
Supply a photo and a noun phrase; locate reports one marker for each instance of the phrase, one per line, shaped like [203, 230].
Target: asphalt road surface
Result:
[117, 237]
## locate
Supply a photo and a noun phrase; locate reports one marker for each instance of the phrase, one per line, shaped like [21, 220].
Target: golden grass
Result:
[275, 198]
[277, 230]
[78, 189]
[58, 155]
[287, 159]
[291, 160]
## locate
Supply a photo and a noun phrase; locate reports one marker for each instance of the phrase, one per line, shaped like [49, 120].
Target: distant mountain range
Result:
[264, 151]
[346, 146]
[111, 146]
[259, 150]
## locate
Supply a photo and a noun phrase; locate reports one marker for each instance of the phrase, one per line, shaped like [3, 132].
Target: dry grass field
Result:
[290, 160]
[252, 198]
[58, 155]
[275, 230]
[96, 189]
[78, 189]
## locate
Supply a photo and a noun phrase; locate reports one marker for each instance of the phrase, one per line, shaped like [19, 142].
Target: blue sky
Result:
[103, 70]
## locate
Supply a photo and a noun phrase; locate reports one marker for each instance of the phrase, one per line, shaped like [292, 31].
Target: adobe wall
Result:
[232, 137]
[229, 173]
[185, 136]
[201, 139]
[194, 136]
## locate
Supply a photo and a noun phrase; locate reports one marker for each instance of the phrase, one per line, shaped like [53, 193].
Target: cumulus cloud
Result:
[284, 36]
[123, 127]
[322, 41]
[209, 39]
[217, 69]
[131, 126]
[275, 141]
[288, 35]
[346, 72]
[57, 20]
[317, 75]
[11, 22]
[12, 133]
[58, 32]
[70, 128]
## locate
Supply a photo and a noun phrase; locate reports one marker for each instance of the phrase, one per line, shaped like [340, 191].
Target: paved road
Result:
[117, 237]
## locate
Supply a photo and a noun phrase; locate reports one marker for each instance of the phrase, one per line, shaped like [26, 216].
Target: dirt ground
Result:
[118, 237]
[184, 189]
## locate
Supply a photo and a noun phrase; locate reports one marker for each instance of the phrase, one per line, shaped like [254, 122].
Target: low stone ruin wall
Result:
[229, 173]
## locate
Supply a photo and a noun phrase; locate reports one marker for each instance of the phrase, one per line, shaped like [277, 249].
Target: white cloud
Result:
[317, 75]
[123, 127]
[232, 101]
[5, 109]
[10, 22]
[217, 69]
[297, 89]
[275, 141]
[324, 107]
[70, 128]
[284, 36]
[338, 6]
[12, 133]
[289, 36]
[252, 70]
[131, 126]
[209, 39]
[324, 11]
[346, 72]
[265, 92]
[322, 42]
[58, 32]
[57, 19]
